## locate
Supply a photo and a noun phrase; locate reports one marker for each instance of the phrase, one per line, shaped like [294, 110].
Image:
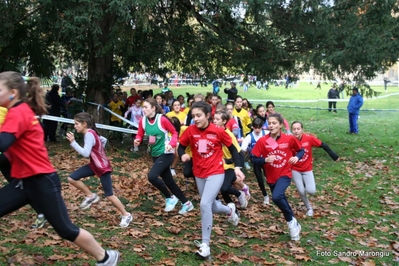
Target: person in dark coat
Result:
[333, 93]
[231, 93]
[54, 103]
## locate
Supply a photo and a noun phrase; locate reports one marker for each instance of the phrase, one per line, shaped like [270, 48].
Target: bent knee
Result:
[71, 180]
[311, 191]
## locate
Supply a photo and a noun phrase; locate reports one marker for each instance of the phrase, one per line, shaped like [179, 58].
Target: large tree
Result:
[263, 38]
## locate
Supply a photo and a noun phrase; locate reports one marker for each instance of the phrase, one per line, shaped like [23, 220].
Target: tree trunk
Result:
[99, 84]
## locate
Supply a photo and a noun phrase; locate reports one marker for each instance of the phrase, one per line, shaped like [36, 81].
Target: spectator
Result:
[355, 102]
[165, 88]
[232, 92]
[65, 82]
[341, 89]
[333, 94]
[54, 103]
[386, 81]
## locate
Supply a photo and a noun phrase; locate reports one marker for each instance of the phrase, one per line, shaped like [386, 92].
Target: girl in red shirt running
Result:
[277, 152]
[205, 140]
[99, 165]
[35, 179]
[302, 171]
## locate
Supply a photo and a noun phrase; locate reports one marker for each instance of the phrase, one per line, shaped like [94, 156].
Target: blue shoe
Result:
[188, 206]
[171, 203]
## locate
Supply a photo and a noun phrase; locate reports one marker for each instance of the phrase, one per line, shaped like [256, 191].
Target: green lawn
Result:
[356, 204]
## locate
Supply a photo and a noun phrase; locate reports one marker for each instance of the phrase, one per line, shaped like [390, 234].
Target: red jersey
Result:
[99, 162]
[232, 124]
[28, 154]
[207, 160]
[306, 163]
[286, 147]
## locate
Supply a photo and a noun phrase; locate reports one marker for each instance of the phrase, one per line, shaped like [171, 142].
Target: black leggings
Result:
[188, 169]
[227, 188]
[44, 190]
[5, 168]
[261, 180]
[161, 168]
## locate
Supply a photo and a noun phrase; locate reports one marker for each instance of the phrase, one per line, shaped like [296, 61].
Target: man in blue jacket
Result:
[355, 102]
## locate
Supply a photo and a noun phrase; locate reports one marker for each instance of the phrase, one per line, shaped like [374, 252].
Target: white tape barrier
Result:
[100, 126]
[323, 100]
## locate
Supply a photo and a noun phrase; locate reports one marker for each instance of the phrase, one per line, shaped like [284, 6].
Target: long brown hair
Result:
[31, 92]
[87, 118]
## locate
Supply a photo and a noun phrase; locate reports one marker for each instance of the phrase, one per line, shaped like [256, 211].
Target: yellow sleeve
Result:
[3, 113]
[227, 153]
[188, 149]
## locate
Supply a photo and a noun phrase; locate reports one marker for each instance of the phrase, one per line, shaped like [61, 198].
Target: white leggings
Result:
[304, 182]
[208, 189]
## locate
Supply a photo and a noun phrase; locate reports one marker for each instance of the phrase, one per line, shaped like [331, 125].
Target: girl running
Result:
[35, 180]
[302, 171]
[248, 144]
[99, 165]
[206, 140]
[158, 128]
[136, 114]
[220, 118]
[277, 152]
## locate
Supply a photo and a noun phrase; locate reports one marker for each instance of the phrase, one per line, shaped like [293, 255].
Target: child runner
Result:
[206, 140]
[270, 110]
[248, 144]
[99, 165]
[35, 180]
[158, 128]
[5, 169]
[302, 171]
[181, 117]
[277, 152]
[136, 114]
[220, 118]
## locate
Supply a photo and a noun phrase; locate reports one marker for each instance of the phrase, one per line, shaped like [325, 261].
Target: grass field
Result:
[356, 204]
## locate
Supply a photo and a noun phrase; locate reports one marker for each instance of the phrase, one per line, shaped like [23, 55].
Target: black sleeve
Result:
[258, 160]
[300, 153]
[235, 155]
[6, 140]
[181, 150]
[330, 152]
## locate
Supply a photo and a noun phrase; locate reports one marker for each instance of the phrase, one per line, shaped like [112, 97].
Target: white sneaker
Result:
[172, 171]
[204, 251]
[245, 189]
[170, 203]
[87, 202]
[295, 229]
[242, 201]
[233, 217]
[309, 212]
[126, 220]
[112, 259]
[266, 200]
[247, 166]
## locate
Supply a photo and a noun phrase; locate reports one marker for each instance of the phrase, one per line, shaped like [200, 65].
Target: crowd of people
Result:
[213, 140]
